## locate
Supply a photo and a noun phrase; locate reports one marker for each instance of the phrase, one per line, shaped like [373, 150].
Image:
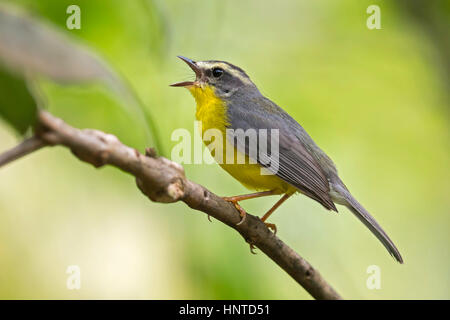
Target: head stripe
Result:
[230, 68]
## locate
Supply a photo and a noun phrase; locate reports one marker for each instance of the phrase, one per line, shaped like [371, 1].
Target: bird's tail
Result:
[358, 210]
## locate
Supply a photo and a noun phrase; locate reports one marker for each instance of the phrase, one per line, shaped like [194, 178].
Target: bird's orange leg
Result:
[271, 210]
[234, 200]
[249, 196]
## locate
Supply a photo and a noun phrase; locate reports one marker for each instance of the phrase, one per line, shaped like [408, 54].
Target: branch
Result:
[162, 180]
[27, 146]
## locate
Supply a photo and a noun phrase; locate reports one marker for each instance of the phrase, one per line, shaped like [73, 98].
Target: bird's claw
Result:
[252, 248]
[242, 212]
[271, 226]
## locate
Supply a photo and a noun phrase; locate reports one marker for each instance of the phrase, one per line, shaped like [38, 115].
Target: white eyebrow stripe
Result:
[226, 67]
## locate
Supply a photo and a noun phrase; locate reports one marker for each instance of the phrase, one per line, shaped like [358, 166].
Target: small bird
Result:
[227, 99]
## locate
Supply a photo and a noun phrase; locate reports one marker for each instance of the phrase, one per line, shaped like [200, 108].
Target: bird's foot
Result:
[271, 226]
[252, 248]
[241, 210]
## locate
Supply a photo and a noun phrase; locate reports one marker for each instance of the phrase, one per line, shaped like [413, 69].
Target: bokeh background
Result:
[375, 100]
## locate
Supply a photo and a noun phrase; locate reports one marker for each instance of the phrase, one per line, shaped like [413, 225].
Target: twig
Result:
[162, 180]
[27, 146]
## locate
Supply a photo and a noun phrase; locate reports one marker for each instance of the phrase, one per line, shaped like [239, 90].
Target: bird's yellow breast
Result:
[212, 113]
[211, 110]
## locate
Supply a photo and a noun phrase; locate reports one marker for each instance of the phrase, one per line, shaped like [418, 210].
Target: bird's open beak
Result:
[192, 64]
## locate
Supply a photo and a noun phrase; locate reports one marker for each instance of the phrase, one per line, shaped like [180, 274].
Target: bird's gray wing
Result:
[295, 163]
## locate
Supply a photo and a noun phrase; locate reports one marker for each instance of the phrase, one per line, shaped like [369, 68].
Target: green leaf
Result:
[33, 48]
[17, 106]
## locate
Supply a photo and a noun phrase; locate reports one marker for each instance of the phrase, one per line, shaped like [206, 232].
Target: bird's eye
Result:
[217, 72]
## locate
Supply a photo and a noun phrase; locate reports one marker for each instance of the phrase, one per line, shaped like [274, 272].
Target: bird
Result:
[228, 101]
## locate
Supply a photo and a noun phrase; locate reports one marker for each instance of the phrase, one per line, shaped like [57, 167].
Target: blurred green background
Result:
[375, 100]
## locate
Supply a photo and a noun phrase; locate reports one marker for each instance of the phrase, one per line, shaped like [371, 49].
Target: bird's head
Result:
[223, 78]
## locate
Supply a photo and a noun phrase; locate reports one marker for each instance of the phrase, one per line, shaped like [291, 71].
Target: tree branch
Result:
[27, 146]
[162, 180]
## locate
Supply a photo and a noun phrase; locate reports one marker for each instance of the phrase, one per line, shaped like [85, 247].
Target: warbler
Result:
[227, 99]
